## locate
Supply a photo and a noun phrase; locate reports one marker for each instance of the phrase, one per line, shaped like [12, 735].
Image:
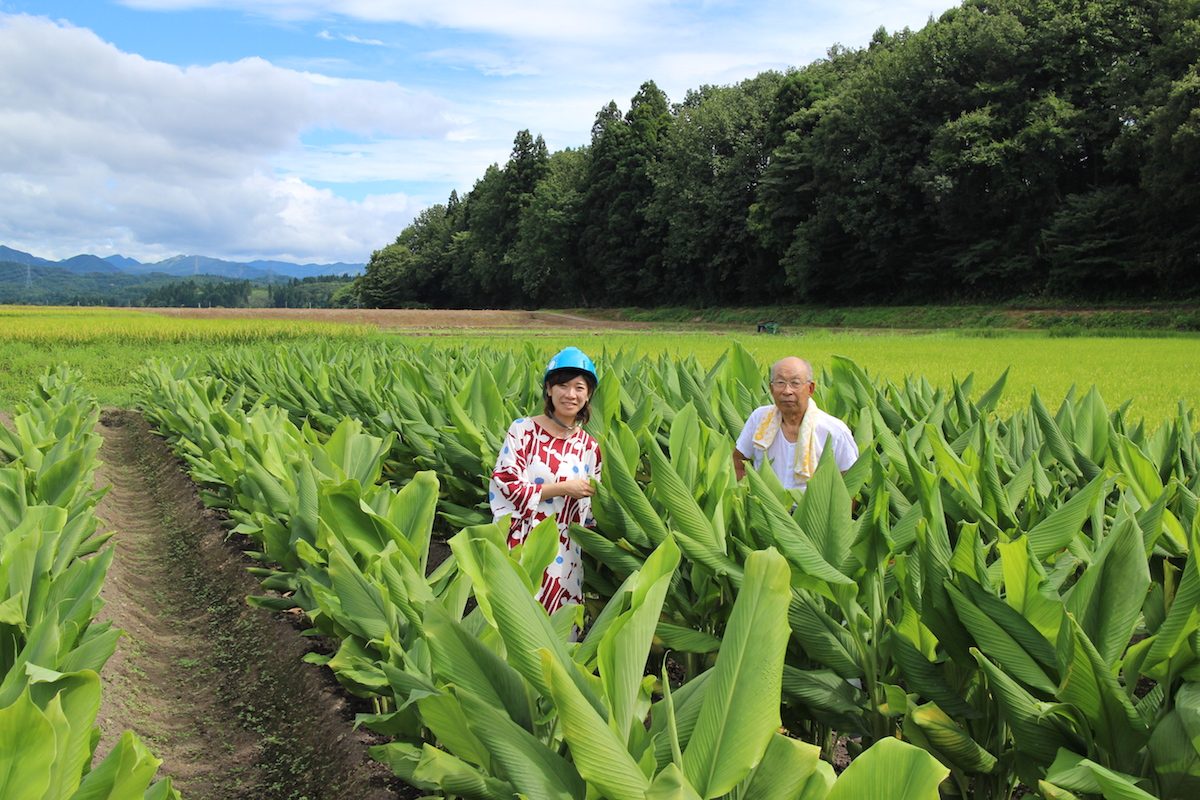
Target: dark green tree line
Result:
[319, 291]
[200, 294]
[1010, 148]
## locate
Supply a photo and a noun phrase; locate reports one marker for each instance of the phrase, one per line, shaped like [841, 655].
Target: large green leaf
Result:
[1078, 774]
[1141, 476]
[365, 533]
[626, 644]
[126, 772]
[366, 609]
[537, 550]
[359, 455]
[518, 757]
[686, 514]
[1183, 617]
[685, 640]
[1024, 583]
[599, 753]
[673, 718]
[1056, 441]
[1063, 524]
[890, 769]
[464, 661]
[949, 739]
[1090, 684]
[412, 512]
[828, 696]
[71, 702]
[926, 677]
[786, 768]
[741, 705]
[670, 784]
[824, 512]
[684, 443]
[427, 767]
[27, 747]
[1038, 729]
[1175, 745]
[1107, 600]
[822, 637]
[443, 715]
[521, 621]
[1006, 636]
[791, 540]
[618, 475]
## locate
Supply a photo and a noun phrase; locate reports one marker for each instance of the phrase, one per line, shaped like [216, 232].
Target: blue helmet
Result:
[572, 358]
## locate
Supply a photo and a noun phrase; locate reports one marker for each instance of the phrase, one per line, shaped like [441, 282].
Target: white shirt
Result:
[827, 430]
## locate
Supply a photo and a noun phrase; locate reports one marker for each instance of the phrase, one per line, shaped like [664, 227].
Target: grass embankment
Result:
[1059, 319]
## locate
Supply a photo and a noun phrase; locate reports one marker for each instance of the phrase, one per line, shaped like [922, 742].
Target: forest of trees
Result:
[198, 294]
[322, 291]
[43, 285]
[1012, 148]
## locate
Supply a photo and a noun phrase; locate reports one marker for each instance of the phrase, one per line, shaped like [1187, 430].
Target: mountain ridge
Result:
[182, 266]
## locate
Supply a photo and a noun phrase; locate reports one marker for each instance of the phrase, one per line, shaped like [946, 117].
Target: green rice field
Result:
[1153, 374]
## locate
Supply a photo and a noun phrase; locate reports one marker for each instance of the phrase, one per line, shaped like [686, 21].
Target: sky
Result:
[314, 132]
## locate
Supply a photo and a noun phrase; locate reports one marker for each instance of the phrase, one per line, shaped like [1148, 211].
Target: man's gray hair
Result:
[808, 370]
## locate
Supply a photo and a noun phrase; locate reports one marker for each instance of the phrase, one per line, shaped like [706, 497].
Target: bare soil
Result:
[411, 319]
[215, 688]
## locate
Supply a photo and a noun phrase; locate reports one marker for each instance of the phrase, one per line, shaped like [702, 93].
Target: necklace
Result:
[564, 427]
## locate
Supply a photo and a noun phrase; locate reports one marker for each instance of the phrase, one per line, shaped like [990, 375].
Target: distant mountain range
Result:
[183, 266]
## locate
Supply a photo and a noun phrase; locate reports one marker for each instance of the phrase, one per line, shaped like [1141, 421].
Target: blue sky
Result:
[314, 131]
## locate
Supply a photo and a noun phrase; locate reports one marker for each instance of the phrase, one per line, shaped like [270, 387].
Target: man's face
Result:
[791, 386]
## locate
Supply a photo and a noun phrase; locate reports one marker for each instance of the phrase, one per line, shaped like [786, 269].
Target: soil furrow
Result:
[215, 688]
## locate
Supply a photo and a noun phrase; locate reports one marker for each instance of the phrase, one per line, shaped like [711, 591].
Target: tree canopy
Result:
[1011, 148]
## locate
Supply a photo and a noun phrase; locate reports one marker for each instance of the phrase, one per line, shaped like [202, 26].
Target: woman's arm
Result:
[578, 488]
[510, 491]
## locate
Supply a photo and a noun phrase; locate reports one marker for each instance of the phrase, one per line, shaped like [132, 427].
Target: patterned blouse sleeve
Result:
[510, 491]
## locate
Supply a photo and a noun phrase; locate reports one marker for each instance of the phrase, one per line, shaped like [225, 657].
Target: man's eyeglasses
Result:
[795, 384]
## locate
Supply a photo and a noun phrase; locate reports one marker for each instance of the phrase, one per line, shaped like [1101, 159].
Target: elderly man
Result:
[793, 432]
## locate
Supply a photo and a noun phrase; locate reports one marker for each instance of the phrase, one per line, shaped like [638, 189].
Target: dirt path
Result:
[413, 319]
[216, 689]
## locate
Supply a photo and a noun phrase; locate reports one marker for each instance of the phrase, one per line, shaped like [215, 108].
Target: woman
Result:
[546, 466]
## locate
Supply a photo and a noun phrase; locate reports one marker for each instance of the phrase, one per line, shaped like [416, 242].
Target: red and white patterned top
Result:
[529, 458]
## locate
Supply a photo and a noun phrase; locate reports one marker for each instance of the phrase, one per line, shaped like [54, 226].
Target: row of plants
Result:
[483, 693]
[1015, 595]
[53, 561]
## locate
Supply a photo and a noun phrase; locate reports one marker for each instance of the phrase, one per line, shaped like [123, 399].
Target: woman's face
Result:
[567, 398]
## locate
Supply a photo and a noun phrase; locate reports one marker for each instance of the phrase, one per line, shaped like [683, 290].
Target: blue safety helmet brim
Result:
[575, 360]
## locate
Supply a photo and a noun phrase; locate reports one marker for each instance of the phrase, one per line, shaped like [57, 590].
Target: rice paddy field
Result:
[1154, 374]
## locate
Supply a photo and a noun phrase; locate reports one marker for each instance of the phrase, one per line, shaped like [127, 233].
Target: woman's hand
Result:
[578, 488]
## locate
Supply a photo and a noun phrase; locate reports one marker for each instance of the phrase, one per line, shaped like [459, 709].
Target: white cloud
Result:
[101, 145]
[405, 160]
[98, 144]
[346, 37]
[531, 19]
[487, 62]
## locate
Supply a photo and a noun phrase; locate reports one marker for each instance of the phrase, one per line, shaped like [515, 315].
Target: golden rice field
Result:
[67, 325]
[1153, 374]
